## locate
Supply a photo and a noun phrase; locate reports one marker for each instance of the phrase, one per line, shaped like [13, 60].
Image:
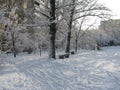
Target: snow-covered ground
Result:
[86, 70]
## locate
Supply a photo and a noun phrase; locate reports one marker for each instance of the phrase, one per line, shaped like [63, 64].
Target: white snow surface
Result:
[86, 70]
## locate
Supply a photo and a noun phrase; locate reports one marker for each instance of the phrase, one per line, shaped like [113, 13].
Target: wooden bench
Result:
[61, 56]
[72, 52]
[64, 56]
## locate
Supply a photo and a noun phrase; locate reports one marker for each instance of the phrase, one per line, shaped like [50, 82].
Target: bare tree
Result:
[84, 8]
[80, 31]
[70, 26]
[53, 29]
[50, 21]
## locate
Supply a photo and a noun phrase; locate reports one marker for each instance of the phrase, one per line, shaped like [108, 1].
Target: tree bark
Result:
[52, 46]
[13, 44]
[40, 48]
[52, 31]
[68, 42]
[76, 45]
[70, 27]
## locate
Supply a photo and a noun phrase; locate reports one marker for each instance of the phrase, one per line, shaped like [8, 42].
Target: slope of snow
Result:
[86, 70]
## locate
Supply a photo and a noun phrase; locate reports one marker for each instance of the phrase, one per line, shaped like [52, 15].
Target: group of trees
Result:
[35, 24]
[110, 32]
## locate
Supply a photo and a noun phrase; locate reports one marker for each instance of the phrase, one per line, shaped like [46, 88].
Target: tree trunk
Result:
[13, 44]
[68, 42]
[70, 27]
[40, 48]
[14, 51]
[52, 32]
[76, 45]
[52, 46]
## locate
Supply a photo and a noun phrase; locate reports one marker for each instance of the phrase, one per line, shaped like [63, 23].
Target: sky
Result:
[114, 5]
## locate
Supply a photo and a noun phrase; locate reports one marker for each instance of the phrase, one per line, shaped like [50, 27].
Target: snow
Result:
[86, 70]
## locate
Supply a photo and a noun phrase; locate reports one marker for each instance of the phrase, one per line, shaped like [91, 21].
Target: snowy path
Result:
[87, 70]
